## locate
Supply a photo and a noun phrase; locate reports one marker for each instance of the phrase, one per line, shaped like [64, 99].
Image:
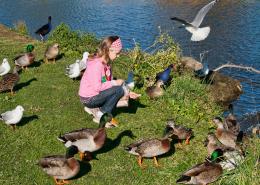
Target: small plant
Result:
[20, 27]
[164, 51]
[73, 42]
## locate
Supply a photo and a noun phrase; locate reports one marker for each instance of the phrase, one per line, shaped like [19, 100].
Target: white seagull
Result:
[12, 117]
[83, 62]
[4, 67]
[74, 70]
[198, 34]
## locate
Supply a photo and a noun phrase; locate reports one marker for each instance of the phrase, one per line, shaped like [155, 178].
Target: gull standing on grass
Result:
[198, 34]
[4, 67]
[12, 117]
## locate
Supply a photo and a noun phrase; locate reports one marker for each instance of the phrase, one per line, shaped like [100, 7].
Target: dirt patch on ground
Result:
[8, 34]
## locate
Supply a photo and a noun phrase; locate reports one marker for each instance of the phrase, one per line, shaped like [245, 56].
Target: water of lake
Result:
[234, 36]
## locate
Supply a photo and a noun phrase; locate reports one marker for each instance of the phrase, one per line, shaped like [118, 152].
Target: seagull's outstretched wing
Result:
[201, 14]
[181, 20]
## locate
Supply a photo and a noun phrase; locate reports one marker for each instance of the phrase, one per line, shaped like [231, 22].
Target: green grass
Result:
[52, 107]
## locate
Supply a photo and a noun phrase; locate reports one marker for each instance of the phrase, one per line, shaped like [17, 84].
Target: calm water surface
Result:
[234, 36]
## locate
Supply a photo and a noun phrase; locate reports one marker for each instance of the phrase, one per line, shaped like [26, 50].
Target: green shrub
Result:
[73, 42]
[20, 27]
[165, 52]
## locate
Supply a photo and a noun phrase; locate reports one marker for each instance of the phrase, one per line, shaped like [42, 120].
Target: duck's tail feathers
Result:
[183, 179]
[127, 148]
[200, 34]
[62, 139]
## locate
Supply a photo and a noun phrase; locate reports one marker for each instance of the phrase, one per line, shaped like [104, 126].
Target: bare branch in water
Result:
[237, 66]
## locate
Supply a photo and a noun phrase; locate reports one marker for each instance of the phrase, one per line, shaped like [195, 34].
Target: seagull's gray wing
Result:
[201, 14]
[2, 69]
[181, 20]
[7, 115]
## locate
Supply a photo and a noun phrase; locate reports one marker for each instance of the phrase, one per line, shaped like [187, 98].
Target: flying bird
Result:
[198, 34]
[4, 67]
[45, 29]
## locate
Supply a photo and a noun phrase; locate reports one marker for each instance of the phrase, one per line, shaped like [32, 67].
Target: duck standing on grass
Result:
[26, 59]
[4, 67]
[61, 167]
[45, 29]
[12, 117]
[87, 140]
[51, 53]
[180, 132]
[150, 148]
[9, 81]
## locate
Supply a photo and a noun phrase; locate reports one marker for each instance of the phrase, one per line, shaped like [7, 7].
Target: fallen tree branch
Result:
[237, 66]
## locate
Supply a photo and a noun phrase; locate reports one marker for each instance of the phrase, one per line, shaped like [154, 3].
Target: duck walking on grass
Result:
[9, 81]
[26, 59]
[12, 117]
[88, 139]
[51, 53]
[180, 132]
[150, 148]
[61, 167]
[4, 67]
[45, 29]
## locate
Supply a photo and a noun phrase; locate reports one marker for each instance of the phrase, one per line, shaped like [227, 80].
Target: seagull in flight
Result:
[198, 34]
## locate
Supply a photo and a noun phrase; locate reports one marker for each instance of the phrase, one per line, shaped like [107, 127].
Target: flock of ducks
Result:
[224, 153]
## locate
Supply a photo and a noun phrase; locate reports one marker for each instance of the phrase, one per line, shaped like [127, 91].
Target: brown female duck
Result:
[88, 139]
[226, 137]
[51, 53]
[9, 81]
[155, 90]
[179, 131]
[150, 148]
[61, 167]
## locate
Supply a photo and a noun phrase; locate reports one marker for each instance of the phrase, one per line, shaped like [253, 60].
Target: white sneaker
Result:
[91, 111]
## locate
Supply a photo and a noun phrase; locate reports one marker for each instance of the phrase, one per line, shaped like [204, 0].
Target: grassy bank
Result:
[52, 107]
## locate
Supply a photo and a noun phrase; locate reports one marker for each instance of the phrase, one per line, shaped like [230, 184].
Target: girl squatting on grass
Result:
[97, 91]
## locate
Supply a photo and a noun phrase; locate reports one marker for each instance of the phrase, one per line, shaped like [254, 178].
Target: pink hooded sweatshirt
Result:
[97, 77]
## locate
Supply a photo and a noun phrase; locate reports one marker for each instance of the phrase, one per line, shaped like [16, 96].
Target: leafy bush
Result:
[73, 42]
[165, 52]
[20, 27]
[190, 100]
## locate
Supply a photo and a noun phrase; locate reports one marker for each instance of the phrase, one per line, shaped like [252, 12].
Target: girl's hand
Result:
[134, 95]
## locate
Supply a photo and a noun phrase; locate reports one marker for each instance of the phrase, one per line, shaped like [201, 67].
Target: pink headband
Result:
[116, 45]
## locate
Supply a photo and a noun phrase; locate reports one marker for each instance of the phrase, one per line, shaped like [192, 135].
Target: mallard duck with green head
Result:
[231, 157]
[156, 90]
[51, 53]
[87, 140]
[179, 132]
[9, 81]
[61, 167]
[203, 173]
[150, 148]
[212, 144]
[26, 59]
